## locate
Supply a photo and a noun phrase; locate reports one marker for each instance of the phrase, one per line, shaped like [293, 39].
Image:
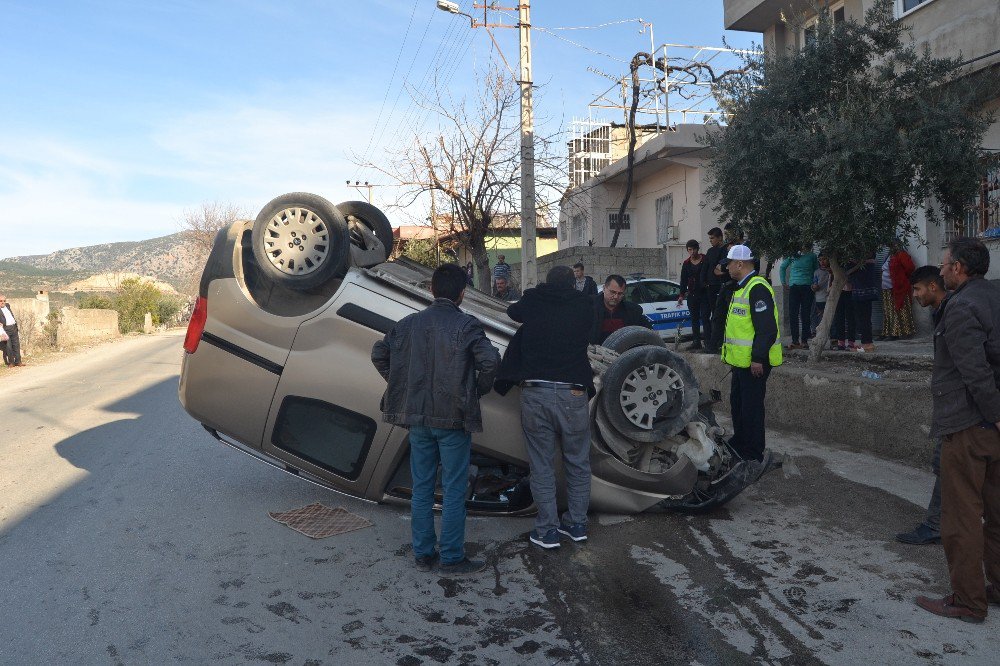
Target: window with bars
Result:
[982, 219]
[625, 224]
[664, 219]
[578, 230]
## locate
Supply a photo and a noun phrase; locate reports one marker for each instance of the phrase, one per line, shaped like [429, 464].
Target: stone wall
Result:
[31, 311]
[78, 326]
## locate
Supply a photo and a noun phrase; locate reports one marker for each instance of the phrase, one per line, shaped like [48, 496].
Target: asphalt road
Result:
[129, 536]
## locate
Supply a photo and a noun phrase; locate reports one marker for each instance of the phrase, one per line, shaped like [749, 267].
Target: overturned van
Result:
[277, 364]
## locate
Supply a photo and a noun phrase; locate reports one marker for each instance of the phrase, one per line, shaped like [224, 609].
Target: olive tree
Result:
[841, 142]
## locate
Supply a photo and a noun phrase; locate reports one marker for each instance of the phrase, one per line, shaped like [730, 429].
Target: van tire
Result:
[313, 229]
[373, 218]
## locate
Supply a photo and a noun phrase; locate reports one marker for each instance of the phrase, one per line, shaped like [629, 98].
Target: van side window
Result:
[326, 435]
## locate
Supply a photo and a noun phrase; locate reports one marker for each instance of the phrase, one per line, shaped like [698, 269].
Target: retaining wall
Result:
[600, 262]
[78, 326]
[889, 417]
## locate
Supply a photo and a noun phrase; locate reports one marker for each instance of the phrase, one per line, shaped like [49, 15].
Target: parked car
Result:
[658, 298]
[277, 364]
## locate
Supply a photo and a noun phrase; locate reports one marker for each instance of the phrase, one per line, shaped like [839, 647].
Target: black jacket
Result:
[551, 343]
[713, 255]
[589, 286]
[430, 359]
[631, 314]
[966, 370]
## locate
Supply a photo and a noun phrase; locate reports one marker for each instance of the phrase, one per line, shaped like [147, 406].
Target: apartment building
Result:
[964, 29]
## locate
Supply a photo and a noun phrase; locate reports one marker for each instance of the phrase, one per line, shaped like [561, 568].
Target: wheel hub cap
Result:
[648, 390]
[297, 241]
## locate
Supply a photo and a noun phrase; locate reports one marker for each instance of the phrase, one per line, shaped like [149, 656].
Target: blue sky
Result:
[117, 116]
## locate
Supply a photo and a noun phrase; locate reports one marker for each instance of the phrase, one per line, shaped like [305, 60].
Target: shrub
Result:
[134, 299]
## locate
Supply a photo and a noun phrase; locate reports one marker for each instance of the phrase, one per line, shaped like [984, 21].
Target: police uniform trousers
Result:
[746, 401]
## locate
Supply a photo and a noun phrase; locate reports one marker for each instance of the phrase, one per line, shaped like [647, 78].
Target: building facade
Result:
[968, 30]
[667, 206]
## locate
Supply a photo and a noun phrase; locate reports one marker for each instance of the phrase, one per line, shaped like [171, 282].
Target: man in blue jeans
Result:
[429, 358]
[547, 358]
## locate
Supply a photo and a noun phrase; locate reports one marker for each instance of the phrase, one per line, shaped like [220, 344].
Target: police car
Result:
[658, 298]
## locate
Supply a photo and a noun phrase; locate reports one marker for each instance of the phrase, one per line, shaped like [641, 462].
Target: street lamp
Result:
[448, 6]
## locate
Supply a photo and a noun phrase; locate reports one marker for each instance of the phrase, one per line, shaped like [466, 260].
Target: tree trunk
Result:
[818, 342]
[477, 246]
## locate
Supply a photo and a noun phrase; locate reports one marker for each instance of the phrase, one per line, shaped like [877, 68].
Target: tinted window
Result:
[662, 291]
[326, 435]
[635, 293]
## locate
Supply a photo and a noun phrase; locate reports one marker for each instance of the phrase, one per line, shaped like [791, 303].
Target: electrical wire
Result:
[577, 44]
[600, 25]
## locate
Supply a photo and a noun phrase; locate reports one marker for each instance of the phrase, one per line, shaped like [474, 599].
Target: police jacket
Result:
[765, 328]
[437, 363]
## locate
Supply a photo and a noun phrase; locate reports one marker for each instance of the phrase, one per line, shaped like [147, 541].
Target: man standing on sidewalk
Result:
[547, 357]
[929, 292]
[438, 362]
[11, 346]
[711, 283]
[966, 415]
[800, 294]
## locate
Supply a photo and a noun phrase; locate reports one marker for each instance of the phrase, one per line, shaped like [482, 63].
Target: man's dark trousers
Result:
[694, 306]
[12, 348]
[800, 303]
[746, 401]
[710, 296]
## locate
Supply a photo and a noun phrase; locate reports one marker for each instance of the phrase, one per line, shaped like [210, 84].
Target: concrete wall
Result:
[31, 311]
[602, 261]
[888, 417]
[78, 326]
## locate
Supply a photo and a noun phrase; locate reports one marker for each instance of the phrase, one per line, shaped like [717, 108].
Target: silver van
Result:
[277, 364]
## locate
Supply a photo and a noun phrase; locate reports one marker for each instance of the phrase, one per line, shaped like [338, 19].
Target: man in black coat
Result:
[584, 283]
[547, 358]
[12, 346]
[612, 311]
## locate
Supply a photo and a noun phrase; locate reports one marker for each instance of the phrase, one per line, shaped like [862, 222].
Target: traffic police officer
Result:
[752, 346]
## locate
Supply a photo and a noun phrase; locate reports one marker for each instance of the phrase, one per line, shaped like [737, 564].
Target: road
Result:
[129, 536]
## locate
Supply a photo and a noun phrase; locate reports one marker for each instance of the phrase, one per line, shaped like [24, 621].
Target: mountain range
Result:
[173, 259]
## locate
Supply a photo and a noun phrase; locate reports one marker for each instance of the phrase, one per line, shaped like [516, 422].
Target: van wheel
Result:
[371, 217]
[649, 394]
[630, 337]
[301, 240]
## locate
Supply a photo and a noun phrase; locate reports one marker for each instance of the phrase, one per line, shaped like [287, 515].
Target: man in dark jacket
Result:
[584, 283]
[12, 345]
[431, 360]
[612, 311]
[547, 357]
[966, 414]
[711, 283]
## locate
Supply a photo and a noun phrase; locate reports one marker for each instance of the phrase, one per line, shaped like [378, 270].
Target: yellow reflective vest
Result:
[737, 347]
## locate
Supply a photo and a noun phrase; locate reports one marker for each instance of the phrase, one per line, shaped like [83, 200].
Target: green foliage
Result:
[50, 329]
[423, 252]
[167, 308]
[134, 299]
[840, 142]
[96, 302]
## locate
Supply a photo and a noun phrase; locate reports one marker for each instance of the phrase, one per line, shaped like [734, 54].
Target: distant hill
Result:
[171, 259]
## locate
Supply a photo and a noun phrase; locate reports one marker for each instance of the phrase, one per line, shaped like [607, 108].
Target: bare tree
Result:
[202, 224]
[473, 160]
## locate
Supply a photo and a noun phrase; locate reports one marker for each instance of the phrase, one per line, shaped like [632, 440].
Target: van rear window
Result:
[326, 435]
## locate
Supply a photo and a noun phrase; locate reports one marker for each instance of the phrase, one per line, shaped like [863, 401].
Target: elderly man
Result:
[505, 292]
[966, 415]
[12, 345]
[612, 311]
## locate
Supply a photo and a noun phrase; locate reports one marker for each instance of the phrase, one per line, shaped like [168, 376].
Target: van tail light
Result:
[196, 326]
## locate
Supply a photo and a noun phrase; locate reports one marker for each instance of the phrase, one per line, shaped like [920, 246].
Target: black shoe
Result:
[426, 562]
[464, 567]
[694, 346]
[920, 536]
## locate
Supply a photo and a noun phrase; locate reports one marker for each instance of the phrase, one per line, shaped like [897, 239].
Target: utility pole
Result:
[358, 185]
[529, 272]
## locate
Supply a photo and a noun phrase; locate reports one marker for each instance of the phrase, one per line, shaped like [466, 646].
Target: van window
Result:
[326, 435]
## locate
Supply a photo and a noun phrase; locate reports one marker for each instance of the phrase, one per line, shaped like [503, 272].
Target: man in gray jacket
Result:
[438, 362]
[966, 415]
